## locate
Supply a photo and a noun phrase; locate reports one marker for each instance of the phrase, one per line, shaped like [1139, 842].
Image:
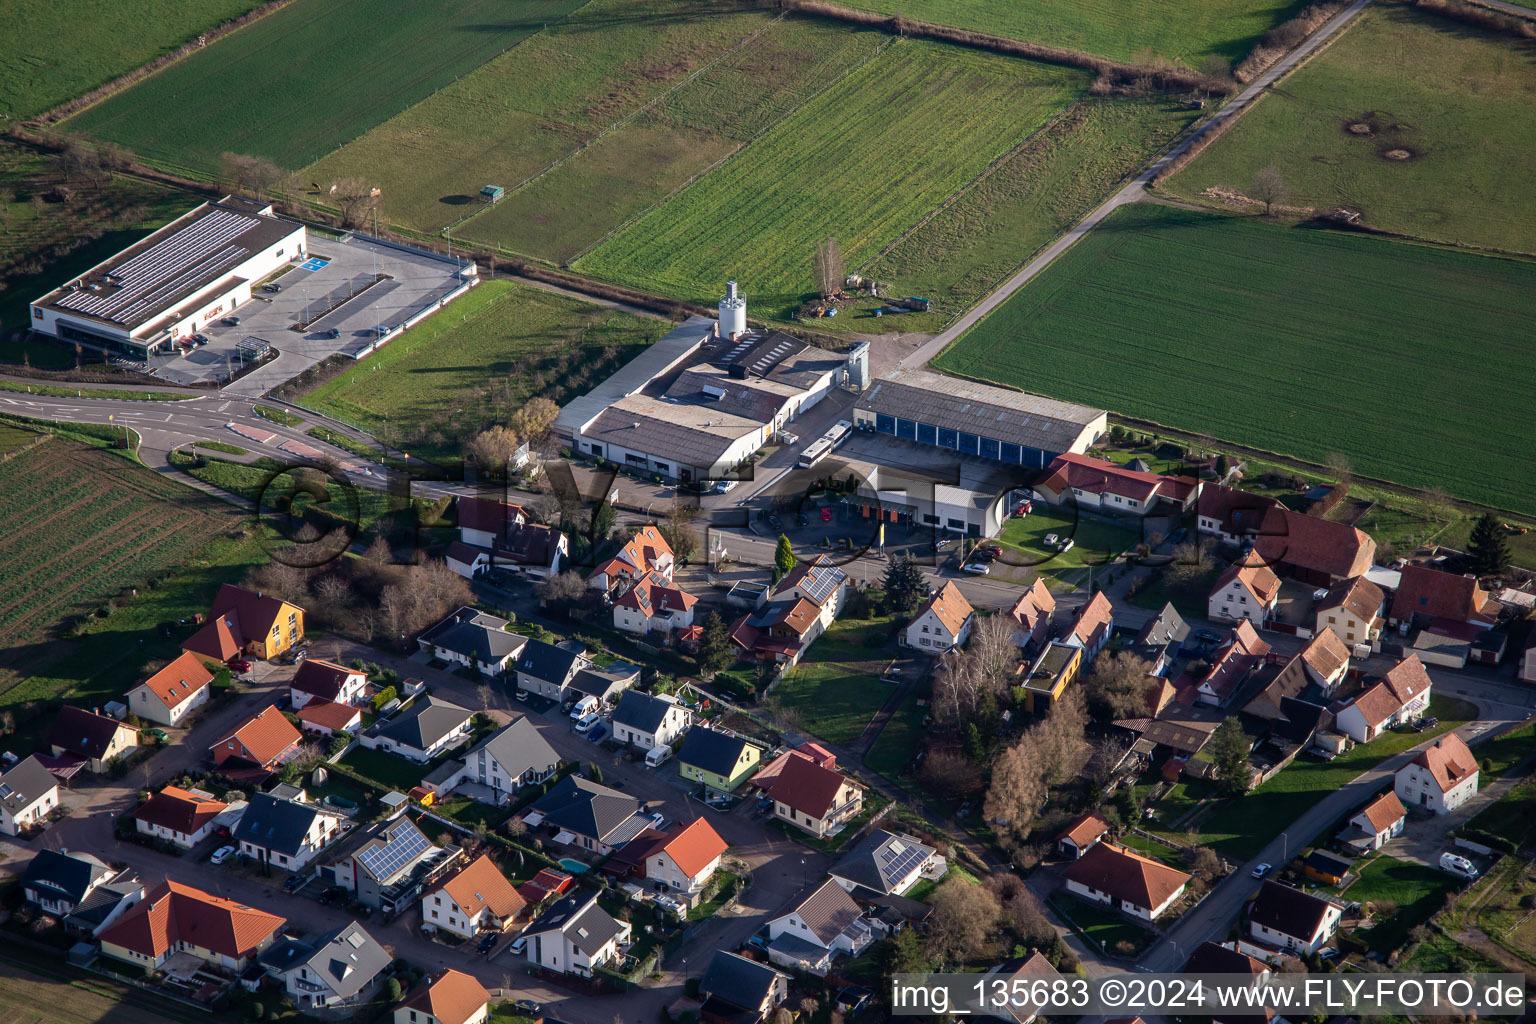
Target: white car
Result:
[1050, 540]
[519, 944]
[977, 568]
[585, 723]
[1067, 544]
[1262, 870]
[221, 855]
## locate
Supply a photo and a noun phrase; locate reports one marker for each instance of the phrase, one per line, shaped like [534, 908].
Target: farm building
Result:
[189, 273]
[1012, 427]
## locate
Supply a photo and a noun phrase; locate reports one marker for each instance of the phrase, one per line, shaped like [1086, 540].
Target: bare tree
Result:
[992, 648]
[963, 921]
[950, 773]
[679, 531]
[1018, 790]
[1191, 560]
[828, 265]
[493, 449]
[1340, 468]
[565, 586]
[1269, 188]
[355, 198]
[484, 692]
[1118, 685]
[533, 418]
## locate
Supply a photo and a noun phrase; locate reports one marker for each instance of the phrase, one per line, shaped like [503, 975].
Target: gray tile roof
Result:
[592, 810]
[424, 723]
[691, 433]
[881, 860]
[587, 925]
[24, 783]
[518, 748]
[475, 634]
[549, 663]
[711, 751]
[1016, 417]
[347, 960]
[642, 711]
[599, 682]
[63, 876]
[737, 980]
[104, 899]
[828, 911]
[274, 824]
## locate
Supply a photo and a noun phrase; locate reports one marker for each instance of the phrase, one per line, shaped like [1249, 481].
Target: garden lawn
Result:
[895, 749]
[1418, 891]
[386, 769]
[477, 361]
[1181, 30]
[473, 812]
[1096, 542]
[1105, 927]
[308, 78]
[1464, 119]
[836, 690]
[1243, 826]
[59, 49]
[1508, 817]
[862, 162]
[1144, 315]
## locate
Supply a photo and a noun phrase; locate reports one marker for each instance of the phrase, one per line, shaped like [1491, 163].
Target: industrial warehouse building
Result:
[170, 285]
[1012, 427]
[901, 482]
[704, 398]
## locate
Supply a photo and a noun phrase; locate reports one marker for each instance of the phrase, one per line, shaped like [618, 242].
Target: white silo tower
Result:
[733, 313]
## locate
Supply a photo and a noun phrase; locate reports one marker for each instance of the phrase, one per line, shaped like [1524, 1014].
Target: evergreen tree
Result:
[905, 585]
[1488, 548]
[975, 749]
[784, 557]
[1229, 754]
[715, 645]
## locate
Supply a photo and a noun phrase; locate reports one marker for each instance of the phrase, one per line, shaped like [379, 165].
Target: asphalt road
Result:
[1135, 190]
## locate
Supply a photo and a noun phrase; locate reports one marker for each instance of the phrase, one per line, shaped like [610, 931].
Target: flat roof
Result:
[1017, 417]
[146, 281]
[694, 434]
[893, 464]
[657, 359]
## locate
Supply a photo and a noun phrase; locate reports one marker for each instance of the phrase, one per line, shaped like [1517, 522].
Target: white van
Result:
[657, 755]
[1456, 864]
[588, 721]
[584, 707]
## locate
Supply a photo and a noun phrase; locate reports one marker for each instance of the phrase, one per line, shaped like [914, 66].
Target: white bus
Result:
[826, 444]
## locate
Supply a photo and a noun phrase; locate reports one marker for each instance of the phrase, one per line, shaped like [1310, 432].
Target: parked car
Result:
[1050, 540]
[488, 943]
[232, 321]
[724, 486]
[977, 568]
[295, 883]
[518, 945]
[597, 733]
[826, 515]
[221, 855]
[803, 519]
[1262, 870]
[942, 543]
[775, 523]
[991, 549]
[986, 557]
[334, 332]
[587, 721]
[200, 339]
[527, 1006]
[239, 665]
[1067, 545]
[273, 287]
[332, 894]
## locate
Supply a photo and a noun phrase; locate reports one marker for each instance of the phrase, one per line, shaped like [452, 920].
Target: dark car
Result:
[295, 883]
[803, 519]
[333, 333]
[527, 1006]
[1205, 636]
[200, 339]
[271, 287]
[232, 321]
[485, 945]
[239, 665]
[332, 894]
[775, 523]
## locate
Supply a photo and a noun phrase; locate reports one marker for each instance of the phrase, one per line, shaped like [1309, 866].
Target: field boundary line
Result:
[812, 98]
[622, 122]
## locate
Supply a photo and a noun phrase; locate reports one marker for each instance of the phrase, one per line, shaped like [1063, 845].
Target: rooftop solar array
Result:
[404, 845]
[821, 580]
[899, 857]
[178, 263]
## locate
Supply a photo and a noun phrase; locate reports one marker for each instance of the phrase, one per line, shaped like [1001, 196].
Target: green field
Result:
[474, 363]
[310, 77]
[1466, 114]
[862, 162]
[1182, 30]
[895, 750]
[59, 49]
[836, 690]
[519, 113]
[1300, 341]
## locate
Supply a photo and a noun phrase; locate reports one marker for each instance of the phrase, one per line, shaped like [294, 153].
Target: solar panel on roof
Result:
[404, 846]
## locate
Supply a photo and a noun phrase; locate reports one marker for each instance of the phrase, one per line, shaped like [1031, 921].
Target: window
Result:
[924, 640]
[957, 524]
[662, 467]
[925, 629]
[989, 448]
[930, 520]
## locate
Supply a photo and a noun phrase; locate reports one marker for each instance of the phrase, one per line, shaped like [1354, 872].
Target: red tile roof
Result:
[451, 996]
[1035, 606]
[1126, 875]
[265, 737]
[807, 787]
[330, 715]
[1326, 655]
[646, 551]
[1442, 595]
[1319, 545]
[481, 885]
[218, 638]
[174, 913]
[1383, 812]
[179, 810]
[1358, 596]
[489, 516]
[175, 684]
[1254, 575]
[84, 733]
[543, 885]
[1448, 761]
[255, 614]
[1405, 681]
[654, 595]
[1094, 619]
[1096, 476]
[322, 679]
[768, 774]
[1241, 652]
[1086, 829]
[693, 848]
[1237, 512]
[950, 606]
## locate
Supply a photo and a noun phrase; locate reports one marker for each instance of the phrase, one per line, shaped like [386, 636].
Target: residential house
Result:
[607, 684]
[1441, 778]
[545, 886]
[822, 926]
[1022, 976]
[390, 864]
[174, 692]
[736, 990]
[176, 918]
[1425, 595]
[1316, 551]
[499, 766]
[1137, 885]
[653, 604]
[1327, 868]
[285, 833]
[645, 721]
[341, 968]
[564, 673]
[474, 639]
[319, 681]
[428, 727]
[473, 900]
[591, 816]
[89, 738]
[258, 746]
[1231, 664]
[1355, 611]
[28, 794]
[1046, 678]
[820, 582]
[943, 621]
[1031, 614]
[1163, 637]
[448, 997]
[245, 622]
[182, 817]
[1247, 590]
[719, 759]
[815, 799]
[1399, 697]
[328, 719]
[1099, 484]
[778, 633]
[768, 774]
[1377, 823]
[104, 906]
[56, 883]
[1230, 514]
[499, 535]
[1082, 835]
[887, 864]
[1216, 958]
[575, 936]
[1091, 628]
[683, 858]
[646, 552]
[1291, 920]
[1310, 676]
